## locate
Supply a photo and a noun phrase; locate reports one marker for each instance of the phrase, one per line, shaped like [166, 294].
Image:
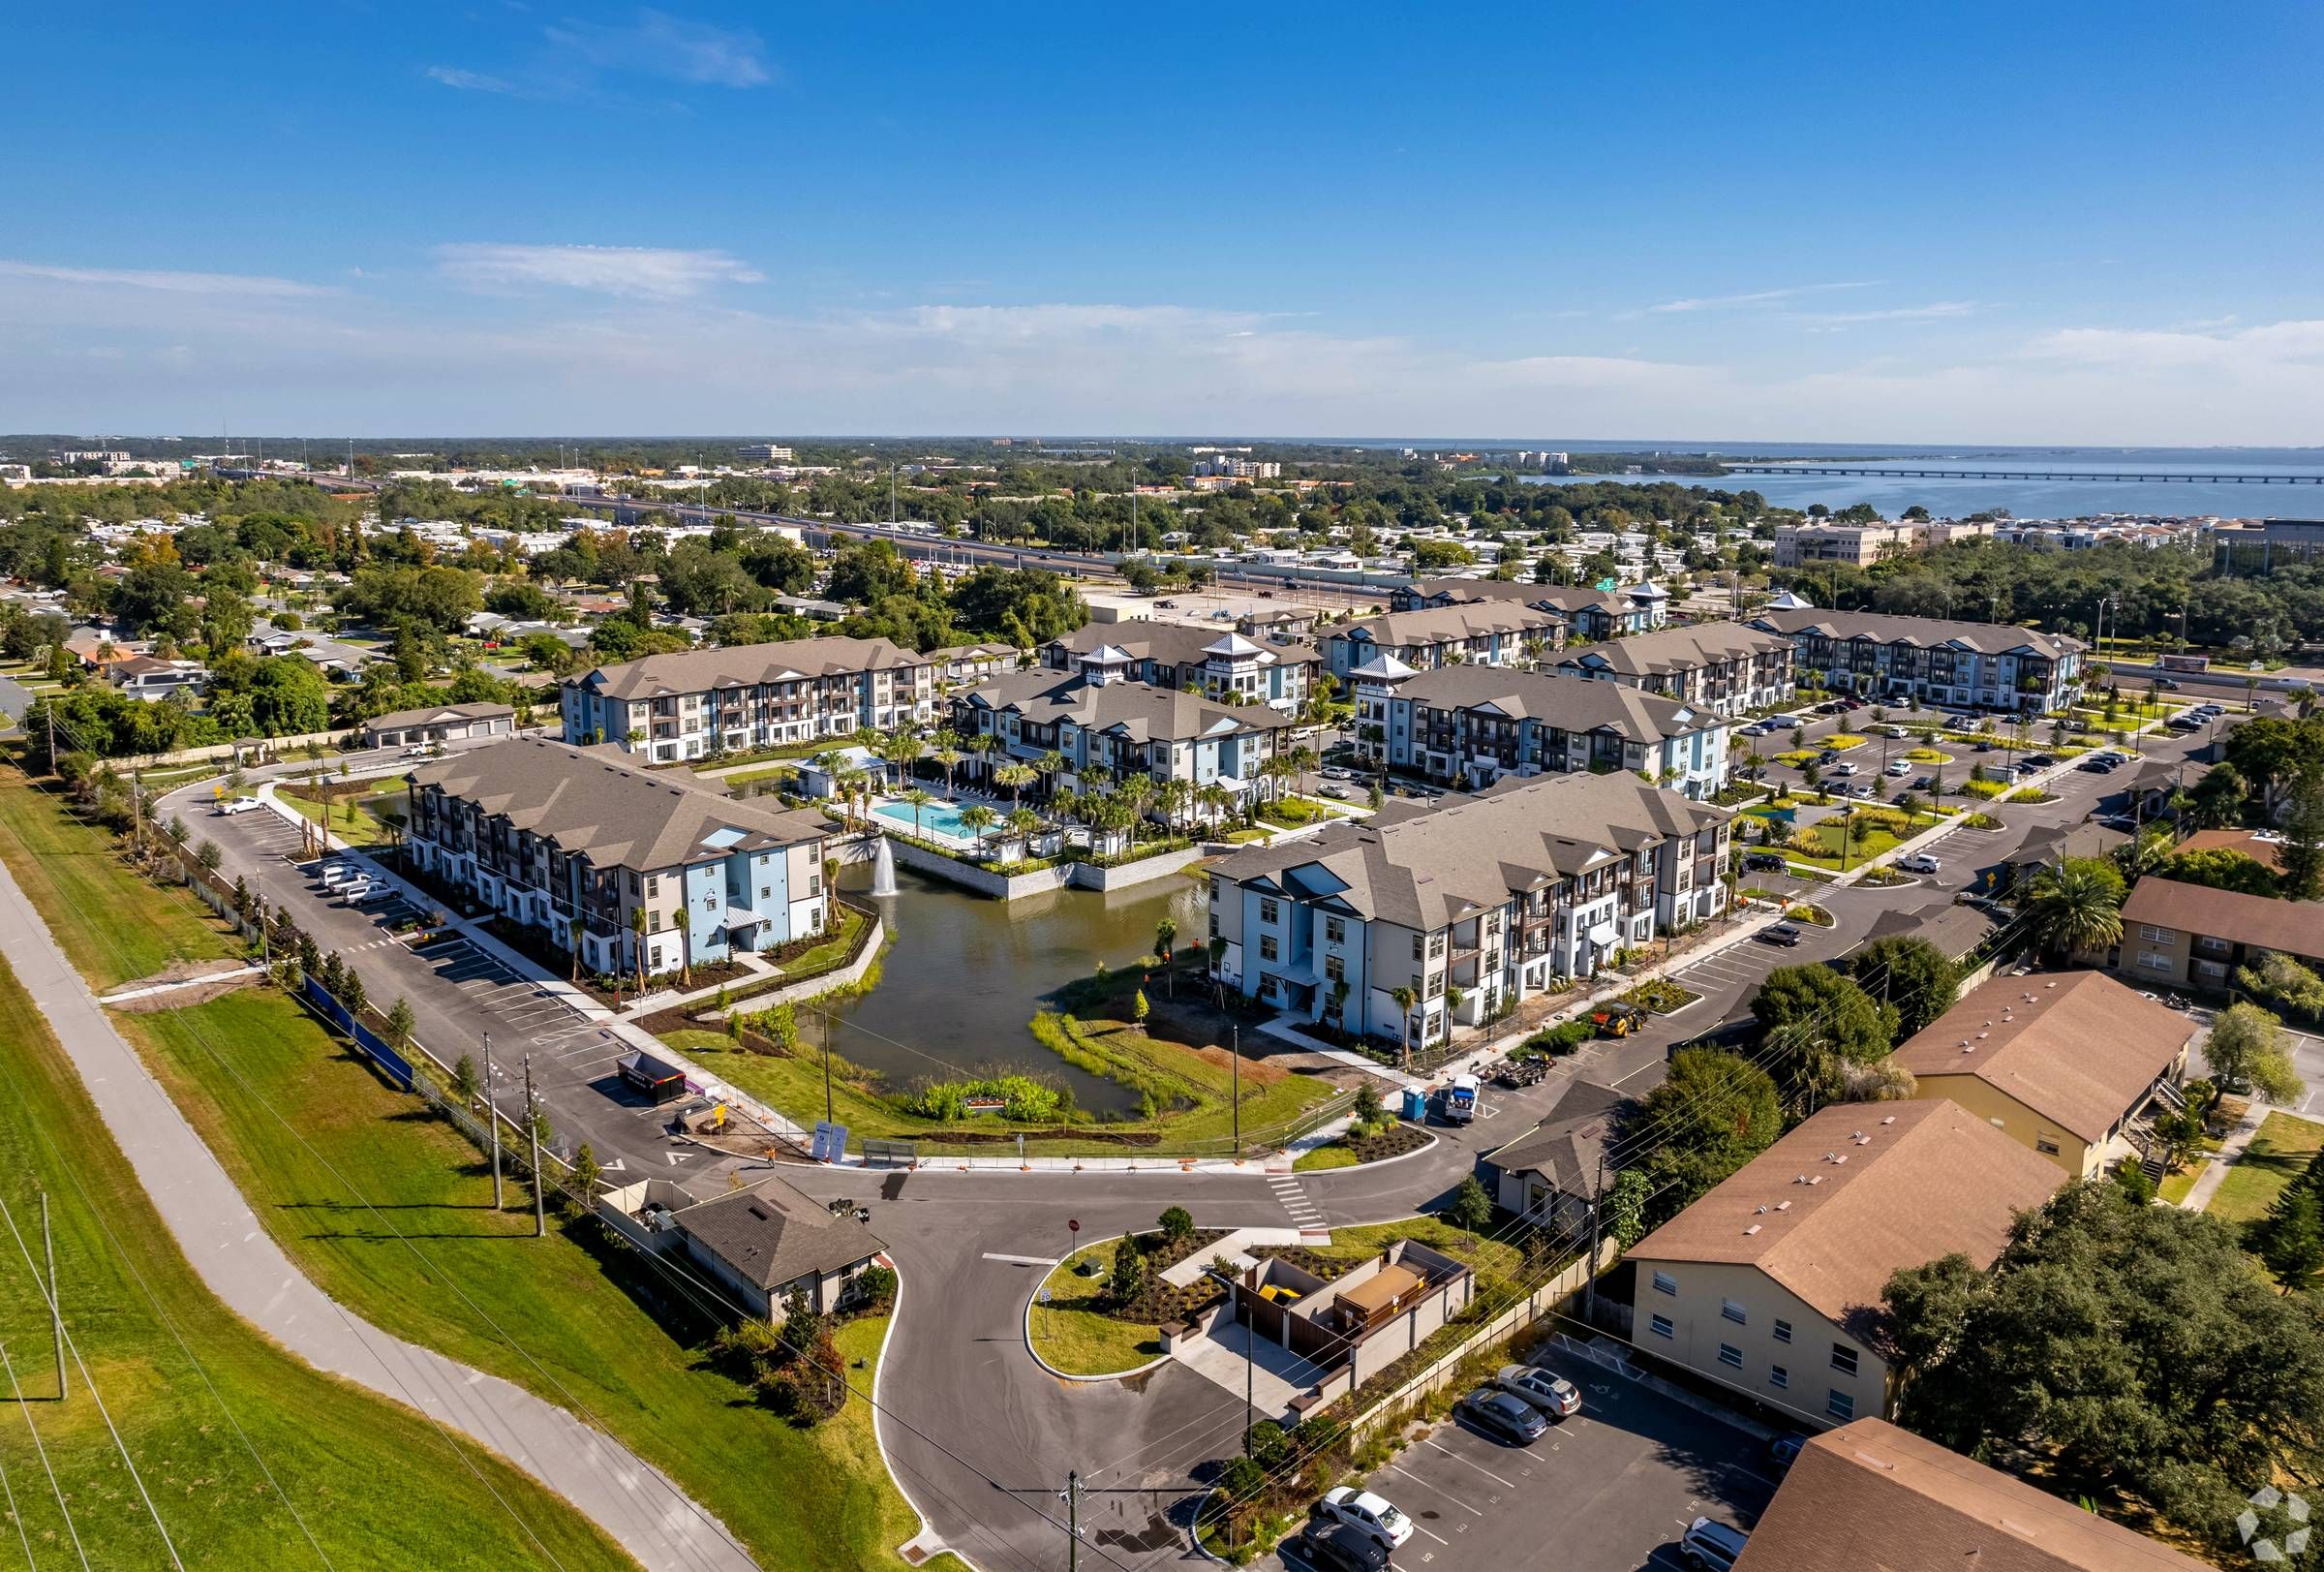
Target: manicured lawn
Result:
[2275, 1157]
[375, 1482]
[113, 926]
[311, 1135]
[353, 816]
[1334, 1155]
[829, 952]
[2174, 1187]
[1076, 1338]
[1488, 1255]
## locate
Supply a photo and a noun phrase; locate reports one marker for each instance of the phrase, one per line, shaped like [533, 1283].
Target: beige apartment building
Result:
[699, 703]
[1859, 546]
[1771, 1284]
[2074, 1065]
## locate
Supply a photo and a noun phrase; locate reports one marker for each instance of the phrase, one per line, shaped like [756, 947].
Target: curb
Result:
[1084, 1380]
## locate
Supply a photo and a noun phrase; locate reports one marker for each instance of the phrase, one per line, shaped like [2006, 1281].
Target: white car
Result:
[1920, 862]
[1375, 1515]
[237, 805]
[1898, 766]
[1845, 767]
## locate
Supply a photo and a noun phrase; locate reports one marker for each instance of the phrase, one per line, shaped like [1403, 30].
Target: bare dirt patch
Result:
[186, 982]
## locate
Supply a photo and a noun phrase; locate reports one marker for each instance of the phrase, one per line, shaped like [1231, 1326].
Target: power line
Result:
[24, 1407]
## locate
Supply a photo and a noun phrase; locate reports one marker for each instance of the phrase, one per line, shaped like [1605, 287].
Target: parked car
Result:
[1785, 933]
[1826, 756]
[1711, 1545]
[1339, 1546]
[2095, 766]
[1783, 1450]
[1763, 861]
[1361, 1509]
[237, 805]
[1847, 767]
[1552, 1393]
[1920, 862]
[1504, 1414]
[2042, 760]
[1897, 767]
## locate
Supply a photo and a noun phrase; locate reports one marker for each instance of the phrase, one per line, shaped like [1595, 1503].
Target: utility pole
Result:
[492, 1120]
[1072, 1520]
[1589, 1283]
[50, 709]
[56, 1311]
[540, 1215]
[1234, 1096]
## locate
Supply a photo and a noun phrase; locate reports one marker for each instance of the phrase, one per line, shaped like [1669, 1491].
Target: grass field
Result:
[112, 925]
[1489, 1257]
[317, 1142]
[1076, 1339]
[1335, 1155]
[2275, 1157]
[208, 1405]
[353, 817]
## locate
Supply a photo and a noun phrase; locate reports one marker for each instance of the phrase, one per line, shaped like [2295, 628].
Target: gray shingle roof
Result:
[1172, 642]
[1434, 866]
[1565, 1147]
[1924, 633]
[1572, 703]
[1437, 625]
[772, 1235]
[1668, 650]
[442, 712]
[1143, 711]
[693, 671]
[593, 802]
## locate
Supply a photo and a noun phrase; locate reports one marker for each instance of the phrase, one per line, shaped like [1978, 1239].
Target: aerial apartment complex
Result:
[1476, 633]
[1722, 667]
[698, 703]
[1469, 902]
[1108, 728]
[1477, 724]
[638, 871]
[1221, 666]
[1587, 613]
[1966, 665]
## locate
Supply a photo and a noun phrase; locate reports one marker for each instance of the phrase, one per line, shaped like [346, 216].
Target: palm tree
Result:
[919, 799]
[845, 782]
[948, 755]
[1015, 776]
[1177, 796]
[2076, 906]
[1050, 764]
[978, 818]
[1165, 933]
[1022, 821]
[1405, 997]
[637, 929]
[904, 752]
[573, 936]
[1755, 763]
[979, 748]
[1217, 799]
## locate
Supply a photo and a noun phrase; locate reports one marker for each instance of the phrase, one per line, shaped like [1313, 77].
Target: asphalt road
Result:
[979, 1437]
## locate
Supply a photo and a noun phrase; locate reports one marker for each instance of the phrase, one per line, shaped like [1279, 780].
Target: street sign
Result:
[1073, 1225]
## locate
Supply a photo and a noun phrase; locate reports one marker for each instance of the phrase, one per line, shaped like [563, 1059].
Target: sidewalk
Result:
[204, 1211]
[2230, 1152]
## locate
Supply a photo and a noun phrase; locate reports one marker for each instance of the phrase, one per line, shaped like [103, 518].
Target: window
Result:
[766, 892]
[1778, 1377]
[2045, 1145]
[814, 883]
[1336, 969]
[1660, 1325]
[1665, 1284]
[2152, 961]
[1268, 910]
[1843, 1359]
[1734, 1313]
[1335, 930]
[1266, 946]
[1214, 925]
[1840, 1406]
[2164, 936]
[1730, 1354]
[1783, 1331]
[1419, 948]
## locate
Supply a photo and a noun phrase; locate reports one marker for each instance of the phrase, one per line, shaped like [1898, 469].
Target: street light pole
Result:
[1235, 1086]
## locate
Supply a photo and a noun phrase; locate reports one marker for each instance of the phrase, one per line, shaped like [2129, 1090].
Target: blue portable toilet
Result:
[1415, 1104]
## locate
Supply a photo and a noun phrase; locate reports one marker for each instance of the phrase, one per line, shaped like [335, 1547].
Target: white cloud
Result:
[2252, 349]
[469, 81]
[643, 272]
[167, 281]
[1933, 311]
[660, 44]
[1756, 297]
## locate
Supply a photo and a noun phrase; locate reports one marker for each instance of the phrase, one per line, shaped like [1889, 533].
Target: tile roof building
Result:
[576, 842]
[1872, 1497]
[699, 703]
[1721, 667]
[1771, 1284]
[2069, 1065]
[1481, 723]
[1490, 897]
[1966, 665]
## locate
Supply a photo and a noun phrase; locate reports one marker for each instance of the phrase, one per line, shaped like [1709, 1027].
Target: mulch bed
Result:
[1392, 1142]
[1162, 1300]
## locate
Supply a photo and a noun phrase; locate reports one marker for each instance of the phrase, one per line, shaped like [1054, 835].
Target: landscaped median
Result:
[1099, 1313]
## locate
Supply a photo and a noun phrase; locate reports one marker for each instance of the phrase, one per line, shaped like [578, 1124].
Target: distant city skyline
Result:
[1855, 227]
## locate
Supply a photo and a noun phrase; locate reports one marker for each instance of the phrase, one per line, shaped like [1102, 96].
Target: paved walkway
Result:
[633, 1502]
[2230, 1152]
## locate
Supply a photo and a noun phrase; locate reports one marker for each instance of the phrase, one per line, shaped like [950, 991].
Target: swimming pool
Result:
[940, 817]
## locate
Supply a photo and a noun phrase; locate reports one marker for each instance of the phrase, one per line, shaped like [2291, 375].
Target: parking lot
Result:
[523, 1016]
[1612, 1487]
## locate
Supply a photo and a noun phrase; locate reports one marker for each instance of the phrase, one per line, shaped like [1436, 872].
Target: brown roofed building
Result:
[1771, 1284]
[691, 705]
[1723, 667]
[1871, 1498]
[2192, 935]
[2071, 1066]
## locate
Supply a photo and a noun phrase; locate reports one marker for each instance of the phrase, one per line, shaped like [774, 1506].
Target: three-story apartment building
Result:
[1468, 902]
[1483, 633]
[1479, 723]
[1722, 668]
[698, 703]
[1229, 667]
[1966, 665]
[1108, 728]
[1585, 611]
[595, 853]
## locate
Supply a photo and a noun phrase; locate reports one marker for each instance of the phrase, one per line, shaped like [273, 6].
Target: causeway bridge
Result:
[1887, 472]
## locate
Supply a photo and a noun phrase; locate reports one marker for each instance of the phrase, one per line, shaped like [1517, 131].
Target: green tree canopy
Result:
[1822, 1022]
[2131, 1349]
[1911, 973]
[2247, 1048]
[2077, 905]
[1713, 1113]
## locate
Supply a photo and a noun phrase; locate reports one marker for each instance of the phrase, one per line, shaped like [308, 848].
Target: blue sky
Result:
[2089, 224]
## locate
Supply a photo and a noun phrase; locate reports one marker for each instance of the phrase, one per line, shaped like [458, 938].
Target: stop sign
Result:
[1073, 1224]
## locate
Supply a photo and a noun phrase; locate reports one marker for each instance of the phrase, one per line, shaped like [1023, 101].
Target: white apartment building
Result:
[698, 703]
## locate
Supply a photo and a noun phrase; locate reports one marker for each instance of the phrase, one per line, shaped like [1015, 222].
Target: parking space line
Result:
[1479, 1468]
[1439, 1489]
